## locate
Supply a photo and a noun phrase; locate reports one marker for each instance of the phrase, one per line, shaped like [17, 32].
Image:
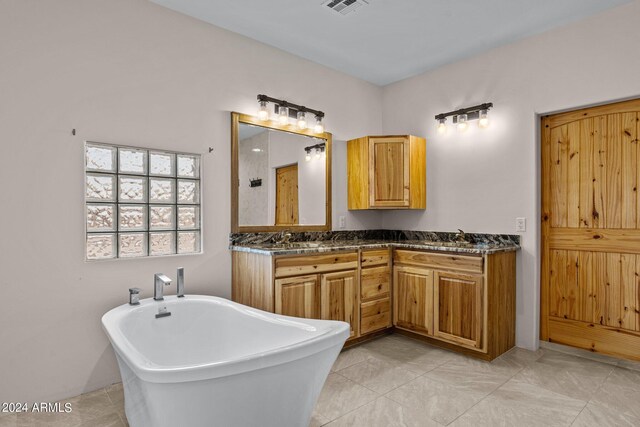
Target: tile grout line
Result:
[378, 395]
[577, 416]
[486, 396]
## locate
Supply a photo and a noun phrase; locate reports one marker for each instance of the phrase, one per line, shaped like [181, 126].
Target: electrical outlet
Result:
[342, 222]
[521, 225]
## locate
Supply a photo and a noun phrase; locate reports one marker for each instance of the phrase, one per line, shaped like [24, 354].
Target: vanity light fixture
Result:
[462, 117]
[318, 150]
[263, 112]
[285, 110]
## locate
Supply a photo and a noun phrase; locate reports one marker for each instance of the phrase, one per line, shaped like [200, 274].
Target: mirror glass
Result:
[282, 178]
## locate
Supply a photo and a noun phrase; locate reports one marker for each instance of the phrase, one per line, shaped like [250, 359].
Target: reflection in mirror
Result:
[279, 185]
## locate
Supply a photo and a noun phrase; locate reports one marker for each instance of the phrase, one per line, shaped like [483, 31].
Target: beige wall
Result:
[129, 72]
[481, 181]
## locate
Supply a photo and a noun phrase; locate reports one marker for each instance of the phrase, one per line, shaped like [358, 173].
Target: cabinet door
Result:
[413, 299]
[389, 172]
[338, 298]
[298, 296]
[458, 308]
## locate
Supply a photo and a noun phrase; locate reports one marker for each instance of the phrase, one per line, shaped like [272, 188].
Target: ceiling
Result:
[386, 41]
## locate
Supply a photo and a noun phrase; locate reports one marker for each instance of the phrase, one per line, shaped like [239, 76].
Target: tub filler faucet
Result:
[159, 280]
[180, 281]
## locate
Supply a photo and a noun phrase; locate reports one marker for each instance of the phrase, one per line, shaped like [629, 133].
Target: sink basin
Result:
[449, 244]
[296, 245]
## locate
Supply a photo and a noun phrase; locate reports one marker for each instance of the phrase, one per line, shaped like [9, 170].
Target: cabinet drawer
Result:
[466, 263]
[300, 265]
[374, 283]
[374, 257]
[375, 315]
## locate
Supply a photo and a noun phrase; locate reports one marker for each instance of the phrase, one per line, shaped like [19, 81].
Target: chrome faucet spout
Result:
[159, 280]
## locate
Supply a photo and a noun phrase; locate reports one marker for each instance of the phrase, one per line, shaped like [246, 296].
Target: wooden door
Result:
[287, 195]
[591, 229]
[413, 299]
[458, 308]
[389, 171]
[338, 298]
[298, 296]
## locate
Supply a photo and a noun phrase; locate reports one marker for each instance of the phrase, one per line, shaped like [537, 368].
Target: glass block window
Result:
[140, 202]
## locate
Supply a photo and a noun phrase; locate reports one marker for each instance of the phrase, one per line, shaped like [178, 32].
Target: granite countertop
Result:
[307, 247]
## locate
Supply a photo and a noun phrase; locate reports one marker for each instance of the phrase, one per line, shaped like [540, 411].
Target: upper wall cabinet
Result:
[387, 172]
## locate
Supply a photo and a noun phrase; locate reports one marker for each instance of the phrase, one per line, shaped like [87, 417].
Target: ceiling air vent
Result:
[344, 7]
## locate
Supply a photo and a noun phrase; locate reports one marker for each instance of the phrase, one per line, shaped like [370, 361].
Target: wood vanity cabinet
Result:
[386, 172]
[323, 286]
[462, 302]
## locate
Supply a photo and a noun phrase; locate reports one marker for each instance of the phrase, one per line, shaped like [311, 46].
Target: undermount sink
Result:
[449, 244]
[294, 245]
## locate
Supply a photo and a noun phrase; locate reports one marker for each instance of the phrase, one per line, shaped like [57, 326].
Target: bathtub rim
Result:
[336, 333]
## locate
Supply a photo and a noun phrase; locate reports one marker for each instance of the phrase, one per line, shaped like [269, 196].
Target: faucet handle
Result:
[134, 296]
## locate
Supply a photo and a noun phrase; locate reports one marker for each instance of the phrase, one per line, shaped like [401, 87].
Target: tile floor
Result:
[396, 381]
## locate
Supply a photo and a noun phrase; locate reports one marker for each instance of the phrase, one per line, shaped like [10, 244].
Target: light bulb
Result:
[302, 120]
[483, 121]
[462, 122]
[317, 156]
[442, 126]
[307, 157]
[318, 128]
[283, 115]
[263, 112]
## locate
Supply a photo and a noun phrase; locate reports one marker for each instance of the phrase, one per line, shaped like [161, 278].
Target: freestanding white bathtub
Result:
[216, 363]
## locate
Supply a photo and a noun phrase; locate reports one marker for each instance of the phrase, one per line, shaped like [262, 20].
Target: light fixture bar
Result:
[293, 108]
[472, 113]
[315, 147]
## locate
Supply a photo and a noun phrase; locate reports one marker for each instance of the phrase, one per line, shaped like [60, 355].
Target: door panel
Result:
[338, 298]
[389, 181]
[298, 296]
[591, 226]
[287, 195]
[459, 308]
[413, 299]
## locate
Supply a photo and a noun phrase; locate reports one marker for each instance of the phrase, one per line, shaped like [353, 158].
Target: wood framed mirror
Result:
[280, 177]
